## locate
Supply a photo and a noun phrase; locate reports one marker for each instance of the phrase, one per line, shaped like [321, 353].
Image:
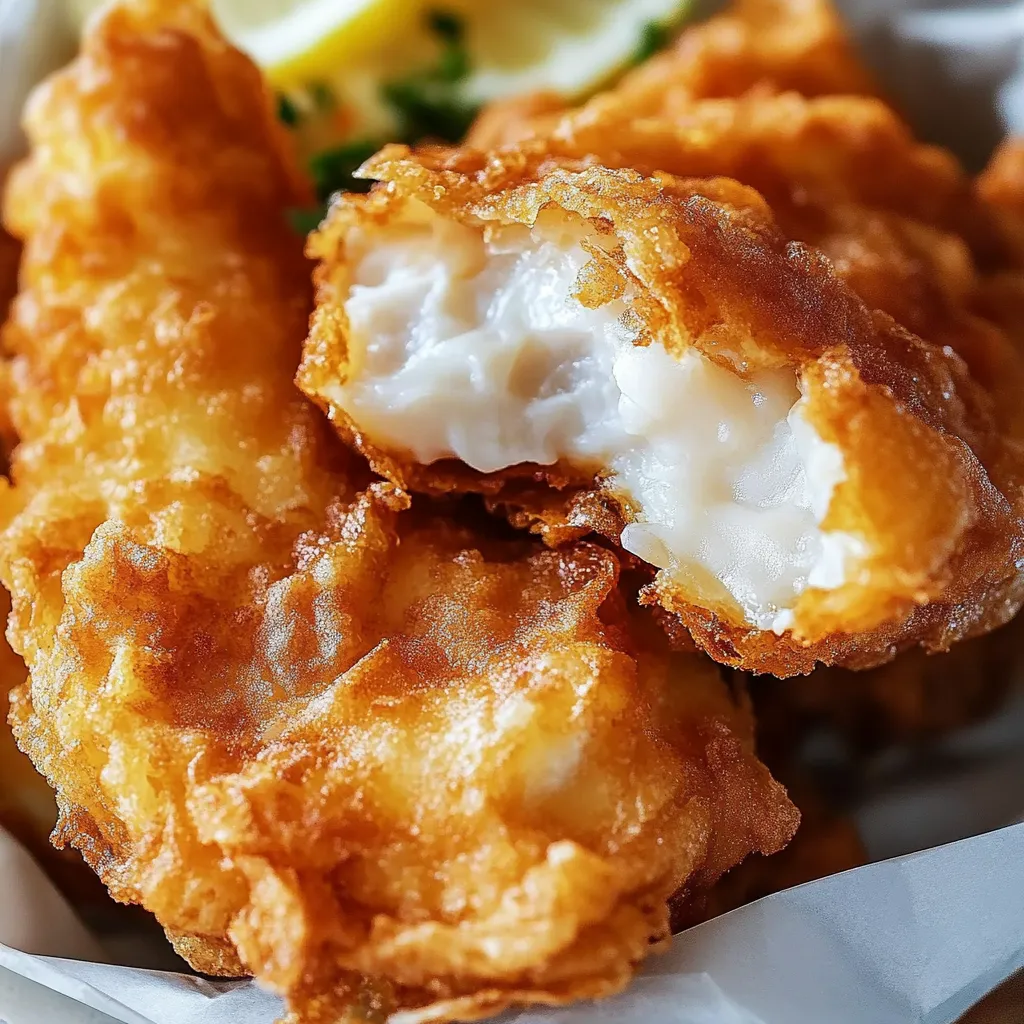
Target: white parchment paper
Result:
[915, 940]
[912, 940]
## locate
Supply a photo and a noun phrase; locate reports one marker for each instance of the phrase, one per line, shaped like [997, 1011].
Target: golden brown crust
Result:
[213, 955]
[899, 220]
[933, 467]
[374, 758]
[772, 45]
[27, 807]
[765, 46]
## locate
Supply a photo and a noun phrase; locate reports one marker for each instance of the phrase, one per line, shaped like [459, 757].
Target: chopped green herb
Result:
[453, 63]
[287, 111]
[428, 110]
[428, 103]
[654, 36]
[305, 221]
[322, 96]
[446, 24]
[332, 169]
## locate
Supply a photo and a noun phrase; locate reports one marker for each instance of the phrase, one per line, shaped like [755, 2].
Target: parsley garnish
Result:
[287, 111]
[446, 25]
[428, 110]
[654, 36]
[322, 96]
[428, 103]
[332, 169]
[305, 221]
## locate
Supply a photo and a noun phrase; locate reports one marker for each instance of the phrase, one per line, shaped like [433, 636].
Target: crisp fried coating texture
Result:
[378, 760]
[765, 45]
[932, 457]
[899, 220]
[781, 45]
[27, 808]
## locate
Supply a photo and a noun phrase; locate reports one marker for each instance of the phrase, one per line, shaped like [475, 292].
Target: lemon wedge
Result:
[298, 41]
[514, 46]
[570, 47]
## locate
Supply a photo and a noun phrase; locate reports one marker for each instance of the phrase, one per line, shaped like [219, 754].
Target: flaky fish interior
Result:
[477, 342]
[796, 465]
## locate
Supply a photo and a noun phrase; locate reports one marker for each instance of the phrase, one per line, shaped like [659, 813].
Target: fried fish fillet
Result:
[765, 45]
[782, 45]
[378, 760]
[27, 808]
[900, 221]
[653, 358]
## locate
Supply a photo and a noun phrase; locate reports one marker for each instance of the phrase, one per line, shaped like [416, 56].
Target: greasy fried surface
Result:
[779, 45]
[767, 45]
[27, 808]
[771, 94]
[379, 761]
[932, 456]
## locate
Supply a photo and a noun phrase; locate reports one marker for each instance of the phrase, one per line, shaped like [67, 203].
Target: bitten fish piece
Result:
[653, 358]
[383, 762]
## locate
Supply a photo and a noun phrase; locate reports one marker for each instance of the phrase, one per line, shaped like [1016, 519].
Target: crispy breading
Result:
[27, 807]
[375, 758]
[932, 458]
[898, 219]
[765, 45]
[779, 45]
[28, 810]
